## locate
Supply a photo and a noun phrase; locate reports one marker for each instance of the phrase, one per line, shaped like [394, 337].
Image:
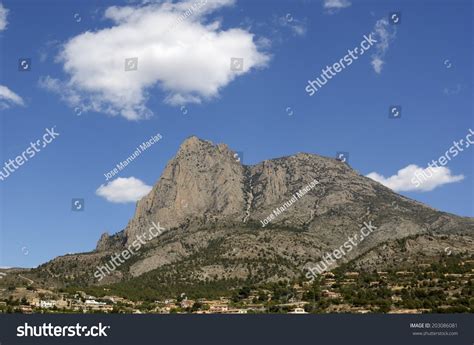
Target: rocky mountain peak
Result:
[194, 144]
[103, 242]
[205, 186]
[202, 148]
[203, 181]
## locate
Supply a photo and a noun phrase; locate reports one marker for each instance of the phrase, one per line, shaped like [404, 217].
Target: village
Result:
[426, 288]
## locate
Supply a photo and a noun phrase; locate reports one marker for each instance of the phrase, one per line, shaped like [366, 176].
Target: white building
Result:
[298, 311]
[47, 304]
[93, 302]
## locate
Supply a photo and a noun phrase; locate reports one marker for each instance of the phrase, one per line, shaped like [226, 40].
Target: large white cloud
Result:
[124, 190]
[414, 178]
[3, 17]
[178, 49]
[9, 98]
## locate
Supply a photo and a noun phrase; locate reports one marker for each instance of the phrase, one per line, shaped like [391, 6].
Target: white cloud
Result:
[384, 36]
[9, 98]
[377, 64]
[298, 27]
[335, 5]
[45, 50]
[414, 178]
[448, 91]
[123, 190]
[3, 17]
[67, 94]
[178, 50]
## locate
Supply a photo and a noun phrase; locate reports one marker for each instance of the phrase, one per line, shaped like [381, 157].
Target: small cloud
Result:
[263, 43]
[332, 6]
[68, 95]
[9, 98]
[414, 178]
[44, 50]
[123, 190]
[297, 26]
[384, 36]
[449, 91]
[3, 17]
[377, 64]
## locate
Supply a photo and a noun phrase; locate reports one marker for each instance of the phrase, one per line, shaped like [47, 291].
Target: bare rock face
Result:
[277, 181]
[110, 242]
[104, 242]
[204, 184]
[202, 181]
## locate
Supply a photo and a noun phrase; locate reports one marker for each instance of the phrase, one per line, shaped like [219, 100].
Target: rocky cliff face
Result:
[212, 207]
[204, 184]
[203, 181]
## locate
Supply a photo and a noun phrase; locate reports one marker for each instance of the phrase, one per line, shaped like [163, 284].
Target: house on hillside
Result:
[298, 311]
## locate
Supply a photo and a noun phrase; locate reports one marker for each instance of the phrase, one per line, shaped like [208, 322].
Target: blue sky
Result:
[184, 86]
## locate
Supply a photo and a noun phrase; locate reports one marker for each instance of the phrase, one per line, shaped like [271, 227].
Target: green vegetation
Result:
[444, 286]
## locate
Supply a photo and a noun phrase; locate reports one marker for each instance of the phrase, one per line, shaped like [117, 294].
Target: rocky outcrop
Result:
[203, 181]
[204, 184]
[109, 243]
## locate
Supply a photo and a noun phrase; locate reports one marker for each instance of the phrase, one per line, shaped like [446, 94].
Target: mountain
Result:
[212, 208]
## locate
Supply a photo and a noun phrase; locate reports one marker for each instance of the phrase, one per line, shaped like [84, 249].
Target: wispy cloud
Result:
[8, 98]
[298, 27]
[449, 91]
[67, 94]
[408, 178]
[332, 6]
[385, 34]
[3, 17]
[177, 49]
[123, 190]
